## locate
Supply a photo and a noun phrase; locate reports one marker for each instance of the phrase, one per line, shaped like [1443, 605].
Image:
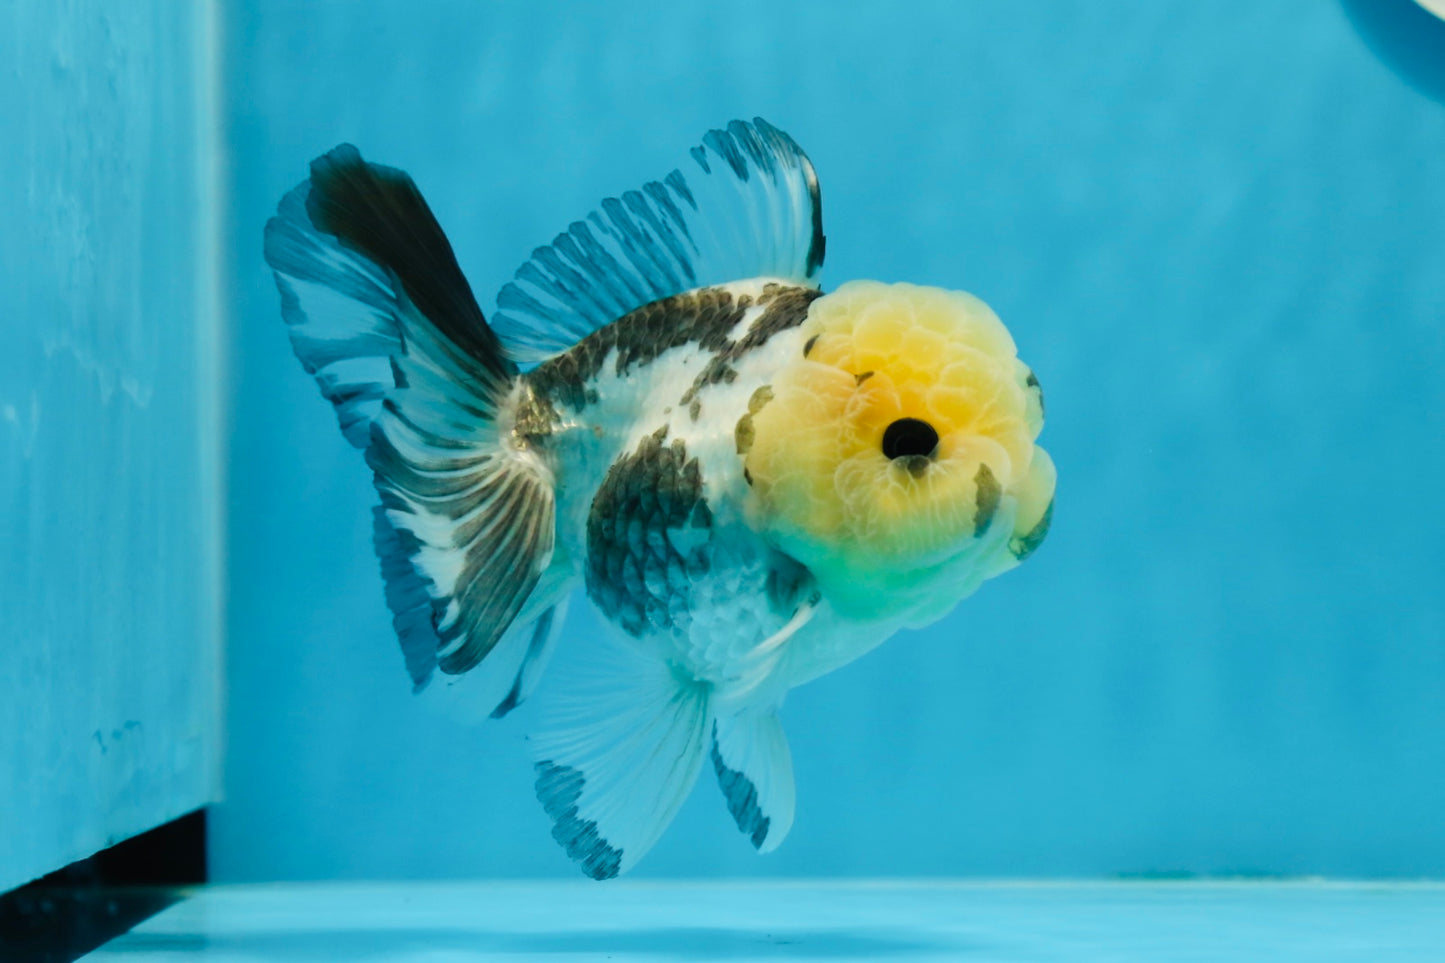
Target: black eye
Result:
[909, 436]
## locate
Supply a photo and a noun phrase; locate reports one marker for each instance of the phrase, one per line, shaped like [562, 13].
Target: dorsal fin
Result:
[748, 207]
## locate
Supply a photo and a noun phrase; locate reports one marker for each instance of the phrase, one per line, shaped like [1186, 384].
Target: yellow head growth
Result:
[901, 445]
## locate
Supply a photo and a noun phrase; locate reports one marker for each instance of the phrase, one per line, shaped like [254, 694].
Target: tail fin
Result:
[380, 313]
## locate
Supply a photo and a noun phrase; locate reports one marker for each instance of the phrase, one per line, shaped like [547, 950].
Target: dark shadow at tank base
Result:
[1407, 37]
[709, 944]
[72, 911]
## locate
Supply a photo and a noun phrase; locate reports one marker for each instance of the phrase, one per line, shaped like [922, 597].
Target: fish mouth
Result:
[911, 441]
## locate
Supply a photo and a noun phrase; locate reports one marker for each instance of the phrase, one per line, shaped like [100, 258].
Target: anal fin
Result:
[755, 772]
[622, 748]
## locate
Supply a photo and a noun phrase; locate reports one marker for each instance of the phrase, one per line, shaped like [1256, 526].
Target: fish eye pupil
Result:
[910, 436]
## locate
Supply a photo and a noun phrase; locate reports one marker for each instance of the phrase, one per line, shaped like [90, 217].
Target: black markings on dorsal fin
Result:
[748, 206]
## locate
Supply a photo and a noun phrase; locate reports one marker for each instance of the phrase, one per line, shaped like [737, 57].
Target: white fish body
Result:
[753, 481]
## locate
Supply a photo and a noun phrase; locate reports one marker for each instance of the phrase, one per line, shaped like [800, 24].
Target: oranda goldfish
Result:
[753, 481]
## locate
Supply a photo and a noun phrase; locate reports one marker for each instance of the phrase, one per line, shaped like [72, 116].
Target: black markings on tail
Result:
[559, 788]
[379, 213]
[413, 610]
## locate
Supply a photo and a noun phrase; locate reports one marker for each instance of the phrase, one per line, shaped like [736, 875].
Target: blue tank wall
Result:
[110, 659]
[1217, 232]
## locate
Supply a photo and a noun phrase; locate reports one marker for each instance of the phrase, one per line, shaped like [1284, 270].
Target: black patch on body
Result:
[986, 501]
[1032, 381]
[558, 789]
[705, 317]
[378, 212]
[743, 434]
[787, 307]
[742, 798]
[1025, 545]
[635, 574]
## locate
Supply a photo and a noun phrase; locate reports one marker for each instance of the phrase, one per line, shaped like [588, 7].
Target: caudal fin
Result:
[380, 313]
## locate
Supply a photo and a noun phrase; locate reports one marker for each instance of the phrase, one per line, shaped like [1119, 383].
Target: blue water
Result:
[1217, 232]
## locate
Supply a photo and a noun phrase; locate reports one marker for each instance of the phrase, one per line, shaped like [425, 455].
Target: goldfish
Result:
[753, 481]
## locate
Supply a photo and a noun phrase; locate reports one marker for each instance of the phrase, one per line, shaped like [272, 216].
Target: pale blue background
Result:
[110, 437]
[1217, 231]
